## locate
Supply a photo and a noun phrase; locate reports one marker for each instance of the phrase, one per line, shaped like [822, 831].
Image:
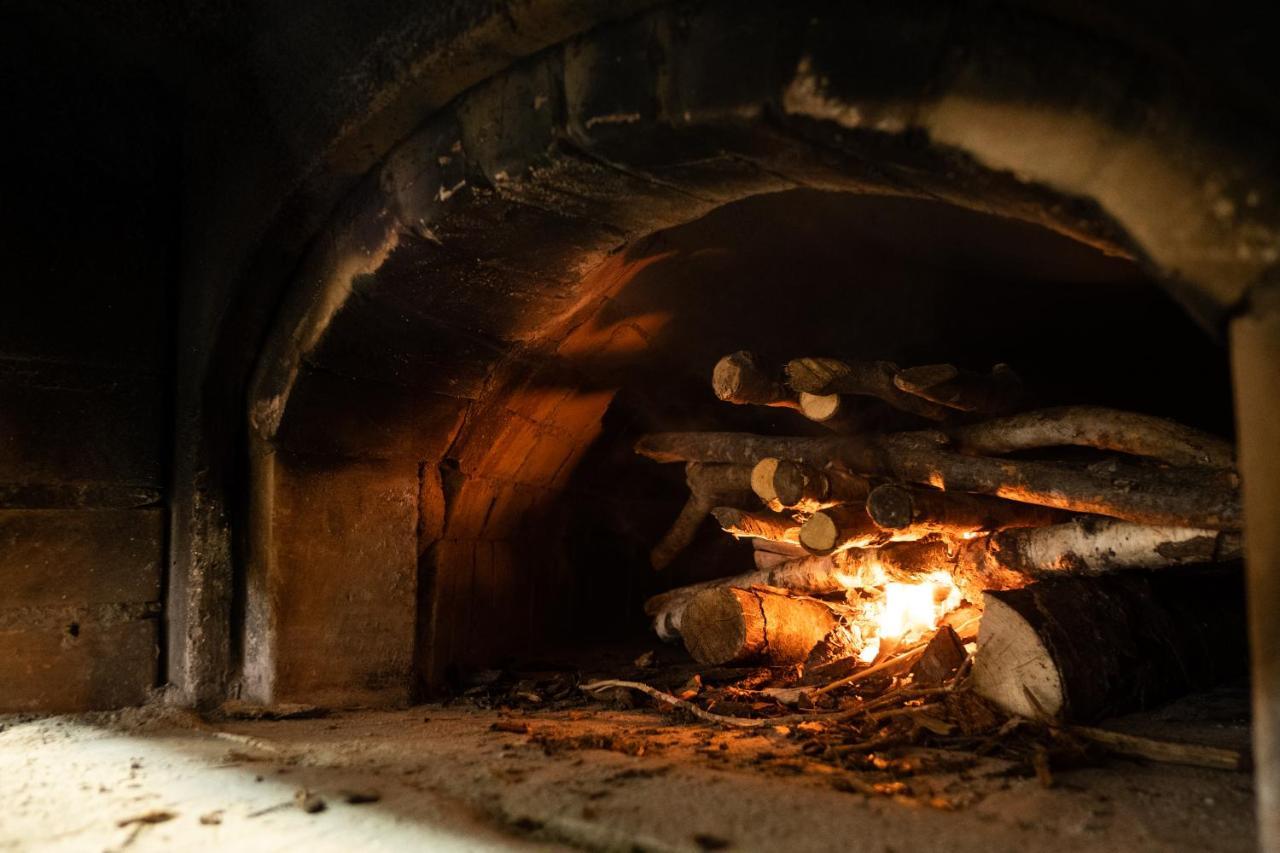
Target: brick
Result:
[80, 557]
[334, 415]
[93, 666]
[344, 541]
[73, 424]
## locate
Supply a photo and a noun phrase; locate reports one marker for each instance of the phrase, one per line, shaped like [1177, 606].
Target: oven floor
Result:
[445, 779]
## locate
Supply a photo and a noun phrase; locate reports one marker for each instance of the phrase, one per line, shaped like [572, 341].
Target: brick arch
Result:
[422, 393]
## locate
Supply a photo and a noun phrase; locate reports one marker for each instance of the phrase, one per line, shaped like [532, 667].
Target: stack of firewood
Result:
[981, 491]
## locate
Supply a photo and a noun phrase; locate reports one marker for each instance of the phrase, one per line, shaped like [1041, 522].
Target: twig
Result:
[1164, 751]
[902, 658]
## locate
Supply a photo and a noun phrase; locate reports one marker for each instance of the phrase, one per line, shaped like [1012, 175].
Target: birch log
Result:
[841, 527]
[744, 524]
[913, 513]
[865, 378]
[1095, 426]
[738, 379]
[996, 393]
[1186, 497]
[792, 485]
[732, 625]
[1076, 649]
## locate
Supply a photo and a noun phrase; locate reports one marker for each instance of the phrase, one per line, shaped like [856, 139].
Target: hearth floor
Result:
[443, 778]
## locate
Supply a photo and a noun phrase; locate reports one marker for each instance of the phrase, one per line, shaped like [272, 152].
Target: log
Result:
[814, 575]
[1185, 497]
[1164, 751]
[745, 524]
[996, 393]
[1096, 545]
[709, 484]
[793, 485]
[914, 513]
[790, 550]
[833, 411]
[737, 379]
[1016, 558]
[840, 527]
[864, 378]
[1074, 649]
[732, 625]
[766, 560]
[1095, 426]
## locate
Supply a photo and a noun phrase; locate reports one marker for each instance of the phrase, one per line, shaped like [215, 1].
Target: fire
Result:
[906, 612]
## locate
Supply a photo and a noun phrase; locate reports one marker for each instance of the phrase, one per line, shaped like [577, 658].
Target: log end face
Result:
[819, 407]
[890, 506]
[762, 477]
[728, 375]
[819, 533]
[714, 629]
[1013, 669]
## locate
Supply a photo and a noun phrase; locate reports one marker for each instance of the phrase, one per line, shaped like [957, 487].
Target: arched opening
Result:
[450, 349]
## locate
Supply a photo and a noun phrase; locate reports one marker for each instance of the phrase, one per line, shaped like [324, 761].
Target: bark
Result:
[782, 484]
[841, 527]
[995, 393]
[737, 379]
[814, 575]
[1095, 426]
[774, 526]
[709, 485]
[914, 513]
[1079, 649]
[1092, 546]
[731, 625]
[865, 378]
[1180, 497]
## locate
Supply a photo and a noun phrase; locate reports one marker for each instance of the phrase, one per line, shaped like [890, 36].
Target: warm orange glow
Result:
[906, 613]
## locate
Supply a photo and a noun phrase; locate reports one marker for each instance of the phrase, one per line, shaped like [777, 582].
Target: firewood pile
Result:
[986, 563]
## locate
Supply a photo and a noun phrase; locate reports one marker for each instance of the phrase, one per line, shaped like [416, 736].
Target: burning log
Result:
[1073, 649]
[709, 484]
[743, 524]
[995, 393]
[841, 527]
[1094, 545]
[737, 379]
[1095, 426]
[730, 625]
[1181, 497]
[915, 513]
[864, 378]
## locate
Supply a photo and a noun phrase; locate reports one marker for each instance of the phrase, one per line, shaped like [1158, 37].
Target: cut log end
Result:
[819, 407]
[1014, 669]
[762, 482]
[819, 534]
[891, 506]
[737, 378]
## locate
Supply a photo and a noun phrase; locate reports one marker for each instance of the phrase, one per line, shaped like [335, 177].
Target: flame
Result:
[906, 612]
